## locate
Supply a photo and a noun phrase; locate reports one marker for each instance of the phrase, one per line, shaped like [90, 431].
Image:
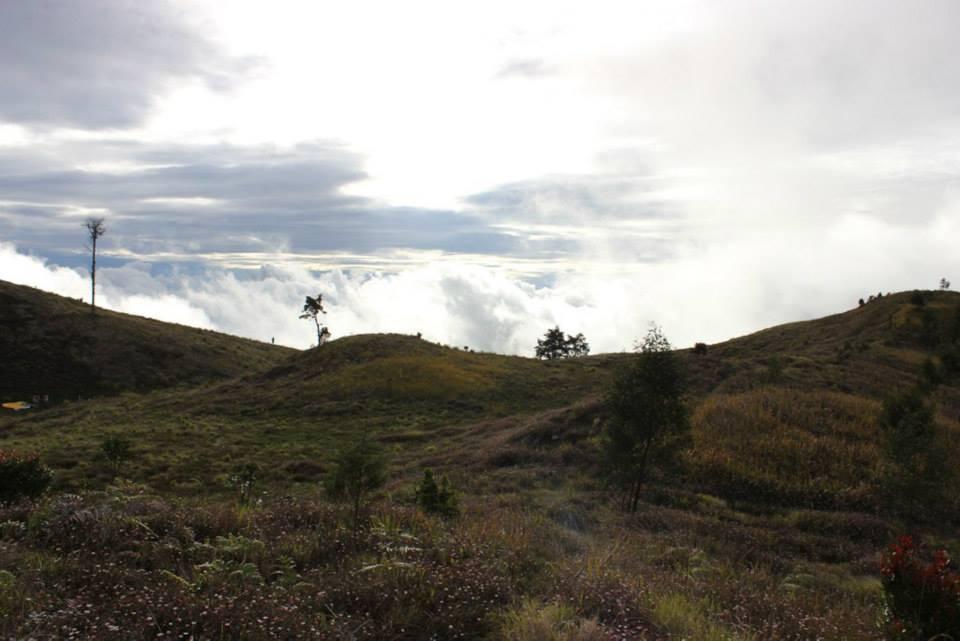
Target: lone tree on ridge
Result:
[555, 344]
[95, 229]
[312, 309]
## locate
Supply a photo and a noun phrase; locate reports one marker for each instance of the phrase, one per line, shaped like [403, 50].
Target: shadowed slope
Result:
[55, 345]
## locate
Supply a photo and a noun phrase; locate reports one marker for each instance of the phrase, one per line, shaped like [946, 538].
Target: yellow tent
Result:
[17, 406]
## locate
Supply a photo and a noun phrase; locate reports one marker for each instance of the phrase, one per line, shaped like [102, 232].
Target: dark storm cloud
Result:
[221, 199]
[98, 63]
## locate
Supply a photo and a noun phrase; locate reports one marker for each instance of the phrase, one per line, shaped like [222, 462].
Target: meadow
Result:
[770, 526]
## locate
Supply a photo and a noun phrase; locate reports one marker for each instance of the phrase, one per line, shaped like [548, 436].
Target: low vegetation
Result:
[383, 487]
[53, 346]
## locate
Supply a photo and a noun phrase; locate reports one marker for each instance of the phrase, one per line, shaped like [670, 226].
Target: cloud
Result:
[702, 293]
[200, 200]
[232, 204]
[715, 169]
[101, 63]
[525, 68]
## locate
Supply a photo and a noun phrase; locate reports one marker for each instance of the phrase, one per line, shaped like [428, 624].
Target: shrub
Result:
[243, 479]
[357, 470]
[916, 463]
[922, 598]
[117, 449]
[436, 498]
[700, 349]
[649, 421]
[950, 360]
[932, 376]
[22, 475]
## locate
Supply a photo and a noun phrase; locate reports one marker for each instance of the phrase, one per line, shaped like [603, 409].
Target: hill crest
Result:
[55, 346]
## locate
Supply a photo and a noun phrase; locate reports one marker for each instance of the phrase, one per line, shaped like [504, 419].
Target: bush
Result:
[931, 375]
[243, 479]
[950, 360]
[922, 598]
[357, 470]
[117, 449]
[649, 422]
[916, 461]
[700, 349]
[437, 499]
[22, 475]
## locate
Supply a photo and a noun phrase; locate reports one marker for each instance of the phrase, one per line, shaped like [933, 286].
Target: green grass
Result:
[55, 346]
[769, 528]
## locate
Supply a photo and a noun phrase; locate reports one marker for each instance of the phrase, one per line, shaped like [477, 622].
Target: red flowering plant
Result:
[922, 594]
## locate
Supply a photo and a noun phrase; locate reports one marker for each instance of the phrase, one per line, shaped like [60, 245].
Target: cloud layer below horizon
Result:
[482, 175]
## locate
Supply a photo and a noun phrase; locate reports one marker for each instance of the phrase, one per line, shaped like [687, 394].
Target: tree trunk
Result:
[93, 277]
[639, 478]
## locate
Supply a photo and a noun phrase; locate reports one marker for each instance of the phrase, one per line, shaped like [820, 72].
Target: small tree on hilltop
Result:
[944, 284]
[648, 421]
[312, 310]
[577, 346]
[555, 344]
[95, 229]
[552, 346]
[357, 470]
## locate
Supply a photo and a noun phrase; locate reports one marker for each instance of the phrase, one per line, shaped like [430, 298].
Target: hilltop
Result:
[54, 345]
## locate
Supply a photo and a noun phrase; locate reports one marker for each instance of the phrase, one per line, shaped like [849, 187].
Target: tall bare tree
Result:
[95, 229]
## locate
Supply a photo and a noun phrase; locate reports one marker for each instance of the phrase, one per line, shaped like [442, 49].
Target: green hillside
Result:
[418, 395]
[55, 346]
[770, 525]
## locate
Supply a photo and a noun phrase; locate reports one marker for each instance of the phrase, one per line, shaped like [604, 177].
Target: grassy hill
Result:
[54, 345]
[797, 390]
[768, 528]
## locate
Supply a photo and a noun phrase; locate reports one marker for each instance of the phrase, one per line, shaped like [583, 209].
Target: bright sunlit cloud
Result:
[507, 166]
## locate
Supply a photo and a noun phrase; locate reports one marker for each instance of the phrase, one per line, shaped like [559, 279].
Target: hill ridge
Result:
[53, 345]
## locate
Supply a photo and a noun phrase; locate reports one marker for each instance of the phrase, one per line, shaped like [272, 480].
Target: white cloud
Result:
[717, 168]
[707, 292]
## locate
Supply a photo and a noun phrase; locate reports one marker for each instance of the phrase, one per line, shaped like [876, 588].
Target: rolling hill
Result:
[55, 346]
[814, 380]
[768, 527]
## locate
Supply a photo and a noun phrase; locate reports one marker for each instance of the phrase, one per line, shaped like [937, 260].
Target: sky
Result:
[481, 172]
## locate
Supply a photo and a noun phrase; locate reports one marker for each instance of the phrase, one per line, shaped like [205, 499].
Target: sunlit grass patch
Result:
[689, 620]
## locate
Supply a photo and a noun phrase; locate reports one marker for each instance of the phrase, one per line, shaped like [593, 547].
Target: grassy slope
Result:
[800, 390]
[771, 525]
[54, 345]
